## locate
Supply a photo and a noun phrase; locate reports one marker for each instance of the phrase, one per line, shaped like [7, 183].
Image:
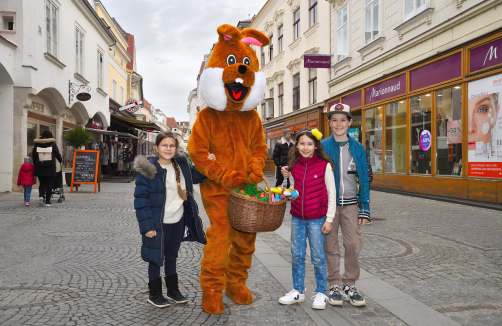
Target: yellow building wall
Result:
[121, 81]
[116, 33]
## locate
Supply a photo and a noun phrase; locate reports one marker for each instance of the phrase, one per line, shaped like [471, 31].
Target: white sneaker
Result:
[320, 300]
[40, 199]
[292, 297]
[47, 205]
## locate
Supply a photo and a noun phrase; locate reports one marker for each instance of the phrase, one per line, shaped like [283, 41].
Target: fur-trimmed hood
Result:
[44, 140]
[145, 165]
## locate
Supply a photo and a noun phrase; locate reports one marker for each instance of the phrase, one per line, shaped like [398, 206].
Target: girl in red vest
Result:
[26, 179]
[313, 212]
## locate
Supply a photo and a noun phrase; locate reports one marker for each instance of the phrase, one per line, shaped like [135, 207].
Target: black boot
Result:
[156, 298]
[173, 292]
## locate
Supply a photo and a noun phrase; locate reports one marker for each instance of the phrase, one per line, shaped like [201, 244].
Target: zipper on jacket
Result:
[303, 196]
[341, 174]
[196, 208]
[161, 217]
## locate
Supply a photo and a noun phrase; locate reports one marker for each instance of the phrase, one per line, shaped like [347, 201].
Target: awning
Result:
[143, 125]
[112, 133]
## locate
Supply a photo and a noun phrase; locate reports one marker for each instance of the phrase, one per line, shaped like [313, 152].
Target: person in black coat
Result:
[45, 170]
[281, 155]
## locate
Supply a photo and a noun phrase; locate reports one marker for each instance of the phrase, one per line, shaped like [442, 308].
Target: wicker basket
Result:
[252, 215]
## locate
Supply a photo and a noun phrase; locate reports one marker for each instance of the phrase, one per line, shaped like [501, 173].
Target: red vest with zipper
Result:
[312, 202]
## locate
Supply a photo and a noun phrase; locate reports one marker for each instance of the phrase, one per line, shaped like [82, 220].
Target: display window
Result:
[449, 131]
[67, 152]
[373, 137]
[395, 137]
[34, 129]
[420, 129]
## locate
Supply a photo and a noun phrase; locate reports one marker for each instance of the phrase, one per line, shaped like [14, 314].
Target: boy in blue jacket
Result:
[352, 211]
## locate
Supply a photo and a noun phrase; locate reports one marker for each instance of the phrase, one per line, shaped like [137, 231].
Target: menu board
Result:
[85, 168]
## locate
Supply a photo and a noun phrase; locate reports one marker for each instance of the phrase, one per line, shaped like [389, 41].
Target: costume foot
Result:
[239, 293]
[212, 302]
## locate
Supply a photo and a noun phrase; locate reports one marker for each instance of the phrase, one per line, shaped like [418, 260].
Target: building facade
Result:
[423, 80]
[295, 95]
[62, 39]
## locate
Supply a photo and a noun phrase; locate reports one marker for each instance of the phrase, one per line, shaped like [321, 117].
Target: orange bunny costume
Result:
[232, 86]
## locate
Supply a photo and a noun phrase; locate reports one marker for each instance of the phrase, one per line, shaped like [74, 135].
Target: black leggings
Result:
[45, 188]
[173, 234]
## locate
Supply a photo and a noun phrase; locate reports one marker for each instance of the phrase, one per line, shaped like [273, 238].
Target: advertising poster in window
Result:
[485, 127]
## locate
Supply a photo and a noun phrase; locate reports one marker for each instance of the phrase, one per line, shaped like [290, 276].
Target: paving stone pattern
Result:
[78, 263]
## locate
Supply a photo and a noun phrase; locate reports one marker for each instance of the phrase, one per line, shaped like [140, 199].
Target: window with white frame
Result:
[296, 24]
[100, 70]
[262, 57]
[342, 33]
[279, 38]
[280, 97]
[312, 85]
[122, 91]
[313, 12]
[296, 92]
[413, 7]
[51, 27]
[270, 105]
[79, 52]
[114, 93]
[371, 20]
[271, 48]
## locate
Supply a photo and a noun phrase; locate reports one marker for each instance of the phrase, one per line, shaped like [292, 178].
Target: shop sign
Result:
[486, 56]
[297, 127]
[96, 123]
[485, 127]
[353, 100]
[316, 61]
[390, 88]
[83, 97]
[425, 140]
[436, 72]
[131, 105]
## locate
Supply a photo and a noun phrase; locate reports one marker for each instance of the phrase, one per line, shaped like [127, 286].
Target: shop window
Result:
[279, 39]
[296, 92]
[420, 108]
[373, 137]
[67, 152]
[313, 12]
[31, 135]
[51, 28]
[371, 20]
[296, 24]
[281, 98]
[395, 137]
[449, 131]
[355, 128]
[312, 85]
[413, 7]
[342, 40]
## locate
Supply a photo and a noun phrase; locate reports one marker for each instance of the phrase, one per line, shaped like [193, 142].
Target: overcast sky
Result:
[171, 40]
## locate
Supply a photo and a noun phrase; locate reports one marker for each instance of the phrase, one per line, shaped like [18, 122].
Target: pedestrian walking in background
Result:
[45, 153]
[26, 178]
[352, 211]
[312, 213]
[167, 214]
[281, 156]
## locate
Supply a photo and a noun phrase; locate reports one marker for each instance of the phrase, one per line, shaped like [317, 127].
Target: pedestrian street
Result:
[78, 263]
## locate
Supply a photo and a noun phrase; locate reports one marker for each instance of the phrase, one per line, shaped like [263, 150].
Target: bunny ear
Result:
[255, 37]
[228, 32]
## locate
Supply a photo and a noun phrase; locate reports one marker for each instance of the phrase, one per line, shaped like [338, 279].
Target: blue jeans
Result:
[300, 230]
[27, 193]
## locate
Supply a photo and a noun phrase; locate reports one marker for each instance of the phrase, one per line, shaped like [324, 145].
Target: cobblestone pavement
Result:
[78, 263]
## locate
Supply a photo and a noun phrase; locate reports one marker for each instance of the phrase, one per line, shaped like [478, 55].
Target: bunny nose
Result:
[242, 69]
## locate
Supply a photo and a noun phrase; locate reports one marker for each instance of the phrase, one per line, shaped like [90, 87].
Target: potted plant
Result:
[76, 138]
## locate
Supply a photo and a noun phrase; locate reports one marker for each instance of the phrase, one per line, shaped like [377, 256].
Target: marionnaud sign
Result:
[486, 56]
[386, 89]
[317, 61]
[425, 140]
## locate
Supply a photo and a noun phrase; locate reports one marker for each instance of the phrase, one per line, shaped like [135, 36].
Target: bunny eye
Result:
[231, 60]
[246, 61]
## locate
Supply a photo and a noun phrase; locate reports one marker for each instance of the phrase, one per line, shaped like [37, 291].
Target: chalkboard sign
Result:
[85, 168]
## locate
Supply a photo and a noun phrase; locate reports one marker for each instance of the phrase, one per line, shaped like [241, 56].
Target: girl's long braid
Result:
[182, 193]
